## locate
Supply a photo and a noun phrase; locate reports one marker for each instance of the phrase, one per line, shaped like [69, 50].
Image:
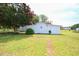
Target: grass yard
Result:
[66, 44]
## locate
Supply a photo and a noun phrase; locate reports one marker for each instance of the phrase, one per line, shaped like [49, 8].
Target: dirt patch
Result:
[50, 50]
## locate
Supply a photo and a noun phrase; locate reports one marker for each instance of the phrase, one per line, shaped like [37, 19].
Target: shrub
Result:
[49, 31]
[29, 31]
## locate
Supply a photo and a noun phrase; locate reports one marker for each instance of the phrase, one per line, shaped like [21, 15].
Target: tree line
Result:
[73, 27]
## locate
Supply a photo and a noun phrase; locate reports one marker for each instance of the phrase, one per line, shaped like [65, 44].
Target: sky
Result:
[59, 12]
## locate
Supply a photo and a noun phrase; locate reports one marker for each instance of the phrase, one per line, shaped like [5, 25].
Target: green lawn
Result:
[66, 44]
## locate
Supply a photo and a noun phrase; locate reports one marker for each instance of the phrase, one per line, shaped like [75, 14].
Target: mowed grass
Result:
[66, 44]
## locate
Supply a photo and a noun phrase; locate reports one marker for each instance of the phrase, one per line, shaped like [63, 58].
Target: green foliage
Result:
[43, 18]
[29, 31]
[75, 26]
[35, 19]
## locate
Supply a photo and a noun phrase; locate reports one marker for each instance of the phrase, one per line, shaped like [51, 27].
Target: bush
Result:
[29, 31]
[49, 31]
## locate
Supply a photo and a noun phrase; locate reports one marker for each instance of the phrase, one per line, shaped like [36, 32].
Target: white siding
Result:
[55, 30]
[42, 28]
[77, 29]
[67, 28]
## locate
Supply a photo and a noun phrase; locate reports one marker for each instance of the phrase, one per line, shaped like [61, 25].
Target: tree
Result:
[43, 18]
[75, 26]
[35, 19]
[2, 14]
[9, 15]
[15, 15]
[29, 14]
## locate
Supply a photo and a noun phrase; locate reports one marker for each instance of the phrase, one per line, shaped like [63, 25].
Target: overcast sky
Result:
[61, 12]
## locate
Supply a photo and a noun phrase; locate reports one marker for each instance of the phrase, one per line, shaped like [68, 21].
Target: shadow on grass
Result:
[47, 34]
[9, 36]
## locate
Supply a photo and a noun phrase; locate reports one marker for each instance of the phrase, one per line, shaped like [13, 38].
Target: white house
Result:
[66, 28]
[77, 29]
[42, 28]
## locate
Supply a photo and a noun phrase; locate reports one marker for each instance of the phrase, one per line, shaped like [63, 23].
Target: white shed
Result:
[77, 29]
[42, 28]
[66, 28]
